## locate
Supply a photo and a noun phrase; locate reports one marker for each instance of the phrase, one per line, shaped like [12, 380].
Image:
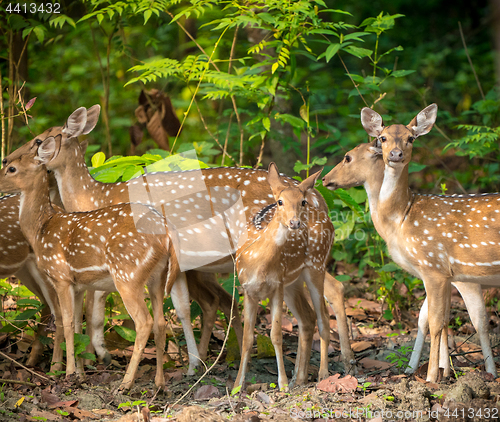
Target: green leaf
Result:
[390, 267]
[304, 113]
[88, 356]
[274, 67]
[343, 277]
[98, 159]
[126, 333]
[414, 167]
[401, 73]
[147, 15]
[266, 122]
[331, 51]
[358, 51]
[39, 32]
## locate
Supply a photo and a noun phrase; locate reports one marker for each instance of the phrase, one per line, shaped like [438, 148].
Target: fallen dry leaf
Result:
[206, 392]
[359, 346]
[375, 364]
[335, 383]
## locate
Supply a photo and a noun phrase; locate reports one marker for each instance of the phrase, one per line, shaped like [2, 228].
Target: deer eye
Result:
[304, 202]
[411, 139]
[38, 141]
[12, 169]
[280, 202]
[348, 158]
[382, 139]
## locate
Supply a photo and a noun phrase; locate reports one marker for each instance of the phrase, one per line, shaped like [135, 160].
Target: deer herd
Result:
[65, 234]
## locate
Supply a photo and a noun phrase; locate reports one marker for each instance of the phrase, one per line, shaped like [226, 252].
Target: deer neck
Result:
[77, 187]
[394, 201]
[372, 188]
[35, 209]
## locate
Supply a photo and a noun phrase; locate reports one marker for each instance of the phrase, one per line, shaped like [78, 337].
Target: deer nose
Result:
[396, 155]
[294, 223]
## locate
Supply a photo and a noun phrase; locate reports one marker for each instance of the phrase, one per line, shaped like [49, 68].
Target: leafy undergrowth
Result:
[379, 391]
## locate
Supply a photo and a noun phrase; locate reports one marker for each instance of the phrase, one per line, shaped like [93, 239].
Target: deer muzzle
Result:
[294, 223]
[396, 155]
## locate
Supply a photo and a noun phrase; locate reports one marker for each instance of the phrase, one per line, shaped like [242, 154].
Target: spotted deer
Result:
[364, 166]
[196, 202]
[16, 257]
[452, 239]
[273, 263]
[121, 247]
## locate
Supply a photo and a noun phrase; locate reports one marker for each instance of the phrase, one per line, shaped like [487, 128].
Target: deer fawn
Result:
[364, 166]
[273, 263]
[188, 198]
[453, 233]
[121, 247]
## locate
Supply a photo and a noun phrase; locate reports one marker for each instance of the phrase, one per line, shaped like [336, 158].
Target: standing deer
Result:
[456, 235]
[193, 201]
[274, 263]
[122, 247]
[364, 166]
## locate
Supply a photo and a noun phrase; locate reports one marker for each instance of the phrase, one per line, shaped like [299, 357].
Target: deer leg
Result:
[133, 299]
[180, 299]
[438, 289]
[315, 284]
[472, 295]
[334, 293]
[156, 288]
[96, 325]
[423, 328]
[250, 315]
[295, 299]
[208, 303]
[66, 297]
[78, 316]
[276, 303]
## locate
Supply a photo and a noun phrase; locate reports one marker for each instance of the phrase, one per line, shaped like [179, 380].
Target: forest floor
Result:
[380, 391]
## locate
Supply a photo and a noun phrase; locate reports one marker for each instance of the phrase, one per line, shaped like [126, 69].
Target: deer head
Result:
[397, 140]
[81, 122]
[291, 201]
[359, 165]
[20, 174]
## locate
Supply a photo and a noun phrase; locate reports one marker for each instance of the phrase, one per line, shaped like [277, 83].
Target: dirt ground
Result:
[379, 391]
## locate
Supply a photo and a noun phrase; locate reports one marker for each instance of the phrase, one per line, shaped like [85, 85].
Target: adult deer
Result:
[454, 237]
[122, 247]
[189, 199]
[364, 166]
[273, 263]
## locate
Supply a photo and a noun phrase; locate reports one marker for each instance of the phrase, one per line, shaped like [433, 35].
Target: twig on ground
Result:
[24, 367]
[29, 384]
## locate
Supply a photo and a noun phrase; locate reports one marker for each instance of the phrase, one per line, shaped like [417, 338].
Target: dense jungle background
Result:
[247, 83]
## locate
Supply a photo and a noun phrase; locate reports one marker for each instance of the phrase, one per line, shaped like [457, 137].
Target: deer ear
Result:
[423, 122]
[92, 118]
[372, 122]
[376, 147]
[75, 124]
[83, 146]
[47, 150]
[273, 177]
[309, 183]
